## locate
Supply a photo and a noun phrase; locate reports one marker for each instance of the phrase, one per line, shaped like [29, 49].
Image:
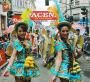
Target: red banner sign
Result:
[43, 15]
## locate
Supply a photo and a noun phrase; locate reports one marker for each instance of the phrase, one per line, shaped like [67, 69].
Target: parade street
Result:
[35, 34]
[45, 74]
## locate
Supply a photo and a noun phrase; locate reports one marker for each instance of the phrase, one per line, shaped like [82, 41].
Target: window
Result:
[1, 1]
[76, 17]
[3, 20]
[77, 2]
[72, 3]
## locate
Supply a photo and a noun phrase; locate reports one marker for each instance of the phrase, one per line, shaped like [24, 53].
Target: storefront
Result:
[3, 22]
[3, 19]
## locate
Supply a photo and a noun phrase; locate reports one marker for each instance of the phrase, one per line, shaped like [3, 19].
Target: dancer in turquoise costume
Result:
[64, 56]
[17, 67]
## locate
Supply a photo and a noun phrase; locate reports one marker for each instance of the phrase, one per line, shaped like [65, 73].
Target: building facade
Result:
[3, 19]
[18, 6]
[73, 8]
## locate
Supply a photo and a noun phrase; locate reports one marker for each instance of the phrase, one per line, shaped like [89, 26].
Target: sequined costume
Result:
[17, 68]
[63, 70]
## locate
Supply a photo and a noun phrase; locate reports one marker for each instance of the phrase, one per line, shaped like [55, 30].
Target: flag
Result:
[25, 14]
[54, 10]
[61, 17]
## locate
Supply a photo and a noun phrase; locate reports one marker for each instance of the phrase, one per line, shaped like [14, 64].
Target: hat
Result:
[62, 24]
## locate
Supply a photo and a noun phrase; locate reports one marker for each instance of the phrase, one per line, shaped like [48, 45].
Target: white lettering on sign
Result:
[43, 15]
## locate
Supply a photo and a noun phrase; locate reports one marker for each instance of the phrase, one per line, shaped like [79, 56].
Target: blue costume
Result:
[63, 70]
[17, 68]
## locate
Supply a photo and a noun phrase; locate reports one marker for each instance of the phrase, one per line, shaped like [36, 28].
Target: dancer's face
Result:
[64, 32]
[21, 33]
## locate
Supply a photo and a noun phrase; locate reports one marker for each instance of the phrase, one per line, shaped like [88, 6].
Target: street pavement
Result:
[85, 66]
[45, 74]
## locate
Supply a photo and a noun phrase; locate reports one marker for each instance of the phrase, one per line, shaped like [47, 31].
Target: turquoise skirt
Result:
[17, 69]
[64, 73]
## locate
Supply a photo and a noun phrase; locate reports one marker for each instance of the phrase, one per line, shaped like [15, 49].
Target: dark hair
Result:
[48, 31]
[37, 31]
[62, 24]
[78, 30]
[23, 25]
